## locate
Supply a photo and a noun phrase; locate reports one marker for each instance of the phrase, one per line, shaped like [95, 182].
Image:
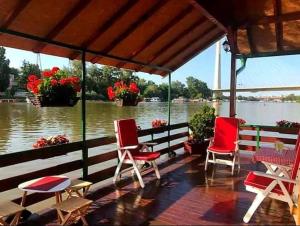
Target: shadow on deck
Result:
[185, 196]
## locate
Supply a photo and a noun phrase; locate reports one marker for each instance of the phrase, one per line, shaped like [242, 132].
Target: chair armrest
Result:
[274, 177]
[209, 139]
[149, 144]
[129, 147]
[237, 142]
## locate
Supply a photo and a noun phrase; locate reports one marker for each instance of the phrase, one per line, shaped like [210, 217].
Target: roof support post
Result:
[171, 153]
[232, 104]
[83, 118]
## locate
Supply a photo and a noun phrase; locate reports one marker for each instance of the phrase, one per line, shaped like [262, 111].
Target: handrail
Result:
[63, 149]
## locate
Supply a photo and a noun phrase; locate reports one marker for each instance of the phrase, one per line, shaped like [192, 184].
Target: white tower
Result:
[217, 77]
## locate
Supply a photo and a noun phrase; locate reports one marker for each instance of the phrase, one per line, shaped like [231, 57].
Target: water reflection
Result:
[22, 124]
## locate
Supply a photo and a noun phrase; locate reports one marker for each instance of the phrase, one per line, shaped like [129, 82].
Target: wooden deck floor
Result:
[185, 196]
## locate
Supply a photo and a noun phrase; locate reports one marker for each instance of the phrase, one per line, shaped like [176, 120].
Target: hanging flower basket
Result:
[126, 102]
[288, 127]
[124, 95]
[55, 89]
[159, 125]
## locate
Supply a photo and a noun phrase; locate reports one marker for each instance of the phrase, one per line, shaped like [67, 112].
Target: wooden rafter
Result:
[206, 32]
[250, 40]
[12, 16]
[155, 7]
[201, 48]
[104, 27]
[208, 15]
[165, 29]
[81, 5]
[278, 24]
[272, 19]
[176, 38]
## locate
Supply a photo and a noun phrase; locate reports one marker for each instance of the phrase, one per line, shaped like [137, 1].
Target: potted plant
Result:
[55, 88]
[288, 127]
[201, 126]
[123, 94]
[158, 125]
[50, 141]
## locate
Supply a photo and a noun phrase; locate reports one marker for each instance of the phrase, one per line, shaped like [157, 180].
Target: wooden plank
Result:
[247, 147]
[196, 39]
[102, 175]
[14, 14]
[41, 153]
[172, 148]
[102, 157]
[131, 29]
[164, 30]
[35, 198]
[79, 7]
[175, 39]
[105, 26]
[273, 139]
[13, 182]
[278, 24]
[100, 141]
[172, 137]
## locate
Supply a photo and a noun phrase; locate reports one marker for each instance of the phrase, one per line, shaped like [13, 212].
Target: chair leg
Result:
[233, 164]
[136, 169]
[239, 161]
[257, 201]
[206, 161]
[119, 167]
[214, 157]
[156, 169]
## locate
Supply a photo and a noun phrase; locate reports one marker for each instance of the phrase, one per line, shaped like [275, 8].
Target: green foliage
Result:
[4, 70]
[202, 123]
[26, 70]
[197, 88]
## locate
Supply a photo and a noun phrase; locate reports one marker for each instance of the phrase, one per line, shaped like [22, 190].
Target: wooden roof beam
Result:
[79, 7]
[272, 19]
[12, 16]
[208, 15]
[176, 38]
[278, 25]
[155, 7]
[250, 40]
[201, 48]
[164, 30]
[206, 32]
[104, 27]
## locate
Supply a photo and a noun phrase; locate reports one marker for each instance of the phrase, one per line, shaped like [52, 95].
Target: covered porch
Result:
[185, 194]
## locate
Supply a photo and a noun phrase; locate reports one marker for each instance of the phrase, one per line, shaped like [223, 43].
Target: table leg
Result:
[23, 198]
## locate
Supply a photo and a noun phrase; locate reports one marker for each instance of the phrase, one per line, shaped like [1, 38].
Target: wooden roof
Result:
[259, 27]
[152, 36]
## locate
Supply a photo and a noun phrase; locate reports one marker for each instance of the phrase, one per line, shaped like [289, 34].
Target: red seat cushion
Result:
[262, 182]
[218, 149]
[146, 156]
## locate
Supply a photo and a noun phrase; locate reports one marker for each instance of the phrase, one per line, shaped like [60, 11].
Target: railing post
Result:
[83, 119]
[257, 138]
[171, 153]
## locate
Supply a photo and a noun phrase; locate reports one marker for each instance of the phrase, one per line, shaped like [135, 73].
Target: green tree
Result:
[27, 69]
[164, 91]
[4, 70]
[197, 88]
[178, 89]
[152, 91]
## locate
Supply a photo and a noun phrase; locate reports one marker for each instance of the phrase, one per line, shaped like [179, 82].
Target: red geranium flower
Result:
[133, 88]
[48, 74]
[32, 78]
[55, 69]
[54, 82]
[110, 92]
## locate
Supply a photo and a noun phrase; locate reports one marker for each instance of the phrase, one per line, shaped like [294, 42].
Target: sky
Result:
[259, 72]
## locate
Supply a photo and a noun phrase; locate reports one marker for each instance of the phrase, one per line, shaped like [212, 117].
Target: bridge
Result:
[259, 89]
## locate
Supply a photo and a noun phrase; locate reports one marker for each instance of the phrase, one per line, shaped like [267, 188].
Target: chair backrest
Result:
[126, 132]
[297, 160]
[226, 132]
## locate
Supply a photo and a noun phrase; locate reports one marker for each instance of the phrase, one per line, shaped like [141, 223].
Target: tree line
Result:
[99, 78]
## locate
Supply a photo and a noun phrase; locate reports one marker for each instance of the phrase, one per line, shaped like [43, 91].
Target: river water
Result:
[22, 124]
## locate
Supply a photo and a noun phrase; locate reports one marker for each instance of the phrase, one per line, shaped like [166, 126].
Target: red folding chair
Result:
[224, 142]
[276, 187]
[130, 151]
